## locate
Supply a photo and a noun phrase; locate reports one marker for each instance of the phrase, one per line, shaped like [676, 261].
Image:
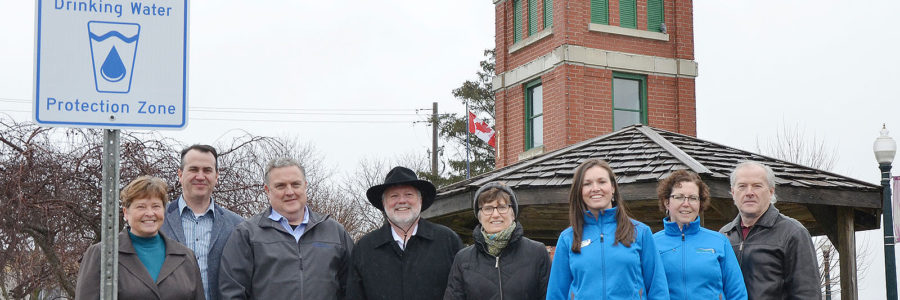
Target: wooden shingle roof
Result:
[645, 154]
[641, 156]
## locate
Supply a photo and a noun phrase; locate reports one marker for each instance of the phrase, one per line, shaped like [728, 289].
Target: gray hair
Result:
[282, 162]
[384, 194]
[770, 175]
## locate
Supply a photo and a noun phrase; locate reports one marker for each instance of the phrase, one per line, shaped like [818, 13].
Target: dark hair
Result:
[664, 189]
[144, 187]
[624, 228]
[201, 148]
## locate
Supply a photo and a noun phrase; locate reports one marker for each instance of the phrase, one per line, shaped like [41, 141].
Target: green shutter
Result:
[548, 13]
[655, 15]
[517, 20]
[532, 17]
[599, 11]
[628, 13]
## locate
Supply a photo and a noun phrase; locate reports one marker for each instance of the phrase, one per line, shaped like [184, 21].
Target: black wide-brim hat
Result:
[402, 176]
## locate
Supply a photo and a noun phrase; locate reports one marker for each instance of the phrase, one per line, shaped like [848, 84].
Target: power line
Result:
[260, 111]
[273, 121]
[282, 111]
[299, 121]
[298, 109]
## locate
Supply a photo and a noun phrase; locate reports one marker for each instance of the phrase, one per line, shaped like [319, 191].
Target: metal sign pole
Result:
[109, 255]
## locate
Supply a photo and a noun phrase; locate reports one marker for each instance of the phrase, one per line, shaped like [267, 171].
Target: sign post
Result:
[111, 64]
[109, 249]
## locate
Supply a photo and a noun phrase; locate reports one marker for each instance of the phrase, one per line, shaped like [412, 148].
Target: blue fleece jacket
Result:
[713, 273]
[603, 270]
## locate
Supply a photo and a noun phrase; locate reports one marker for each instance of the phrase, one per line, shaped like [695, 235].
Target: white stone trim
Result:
[596, 58]
[531, 39]
[629, 32]
[531, 153]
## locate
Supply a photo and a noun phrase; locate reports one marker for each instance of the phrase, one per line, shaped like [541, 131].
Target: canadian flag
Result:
[482, 130]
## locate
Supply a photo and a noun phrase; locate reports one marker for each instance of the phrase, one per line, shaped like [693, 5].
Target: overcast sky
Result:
[829, 68]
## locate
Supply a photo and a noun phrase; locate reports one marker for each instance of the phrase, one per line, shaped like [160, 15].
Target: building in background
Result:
[568, 71]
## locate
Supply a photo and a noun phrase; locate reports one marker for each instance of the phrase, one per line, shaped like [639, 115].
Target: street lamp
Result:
[884, 149]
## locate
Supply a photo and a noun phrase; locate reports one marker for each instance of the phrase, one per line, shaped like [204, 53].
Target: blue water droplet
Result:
[113, 69]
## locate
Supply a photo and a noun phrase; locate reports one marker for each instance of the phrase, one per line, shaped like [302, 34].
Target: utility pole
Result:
[434, 140]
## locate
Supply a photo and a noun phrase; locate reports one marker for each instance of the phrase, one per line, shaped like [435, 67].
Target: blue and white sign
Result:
[111, 64]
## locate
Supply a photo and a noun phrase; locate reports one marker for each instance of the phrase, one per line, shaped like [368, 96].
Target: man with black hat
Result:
[409, 257]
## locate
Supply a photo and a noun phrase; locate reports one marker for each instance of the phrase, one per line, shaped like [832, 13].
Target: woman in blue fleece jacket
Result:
[683, 245]
[604, 254]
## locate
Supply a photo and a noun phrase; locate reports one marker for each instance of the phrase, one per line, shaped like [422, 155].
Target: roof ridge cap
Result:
[766, 156]
[679, 154]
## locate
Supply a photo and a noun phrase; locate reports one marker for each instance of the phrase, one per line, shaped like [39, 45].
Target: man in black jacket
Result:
[409, 257]
[775, 252]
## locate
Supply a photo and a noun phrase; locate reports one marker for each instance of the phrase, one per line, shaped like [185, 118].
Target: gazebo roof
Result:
[641, 156]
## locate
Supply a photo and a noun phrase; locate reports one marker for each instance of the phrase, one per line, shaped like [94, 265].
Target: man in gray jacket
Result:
[775, 252]
[195, 220]
[286, 251]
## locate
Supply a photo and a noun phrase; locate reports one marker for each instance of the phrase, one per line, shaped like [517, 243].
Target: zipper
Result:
[603, 261]
[499, 278]
[683, 265]
[741, 246]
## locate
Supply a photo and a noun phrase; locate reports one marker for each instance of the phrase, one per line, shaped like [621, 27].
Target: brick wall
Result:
[571, 27]
[578, 106]
[578, 99]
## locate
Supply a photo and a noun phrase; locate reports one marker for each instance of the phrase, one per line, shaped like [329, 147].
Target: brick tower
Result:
[569, 70]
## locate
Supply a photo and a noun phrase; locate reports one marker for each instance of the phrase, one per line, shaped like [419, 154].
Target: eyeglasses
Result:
[487, 210]
[682, 198]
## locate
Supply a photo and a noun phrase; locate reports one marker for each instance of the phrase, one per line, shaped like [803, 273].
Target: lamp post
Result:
[884, 149]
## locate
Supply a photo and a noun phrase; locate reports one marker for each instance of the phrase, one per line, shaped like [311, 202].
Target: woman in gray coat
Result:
[503, 263]
[151, 266]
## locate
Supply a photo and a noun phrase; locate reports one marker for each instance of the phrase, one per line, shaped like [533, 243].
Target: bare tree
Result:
[50, 191]
[794, 144]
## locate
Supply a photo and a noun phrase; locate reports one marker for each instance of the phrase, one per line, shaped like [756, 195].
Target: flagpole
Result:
[468, 120]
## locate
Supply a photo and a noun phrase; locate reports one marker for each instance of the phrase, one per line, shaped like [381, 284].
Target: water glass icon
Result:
[113, 49]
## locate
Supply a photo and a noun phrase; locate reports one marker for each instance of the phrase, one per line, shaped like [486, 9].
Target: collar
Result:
[275, 216]
[424, 229]
[607, 216]
[479, 238]
[672, 228]
[399, 239]
[182, 204]
[767, 220]
[126, 246]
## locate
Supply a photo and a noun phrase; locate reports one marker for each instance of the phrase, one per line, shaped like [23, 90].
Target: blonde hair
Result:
[144, 187]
